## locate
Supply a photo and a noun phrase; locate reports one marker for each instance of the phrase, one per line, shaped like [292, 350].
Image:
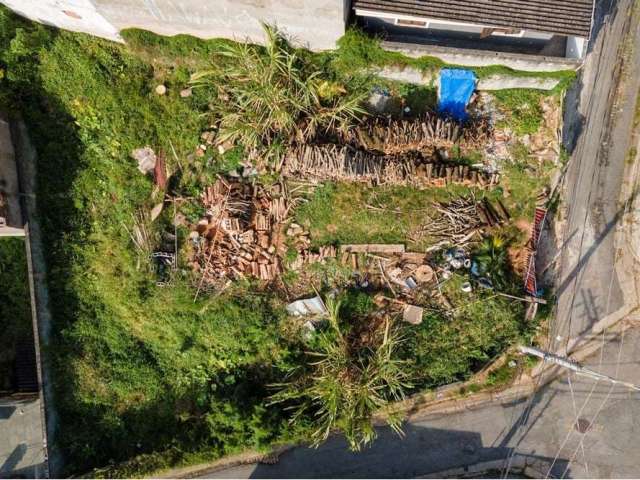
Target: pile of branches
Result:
[241, 234]
[344, 163]
[459, 220]
[427, 133]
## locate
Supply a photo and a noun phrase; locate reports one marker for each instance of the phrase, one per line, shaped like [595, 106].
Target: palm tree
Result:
[270, 94]
[345, 385]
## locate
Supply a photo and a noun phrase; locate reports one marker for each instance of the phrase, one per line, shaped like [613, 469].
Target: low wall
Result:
[484, 58]
[493, 82]
[11, 213]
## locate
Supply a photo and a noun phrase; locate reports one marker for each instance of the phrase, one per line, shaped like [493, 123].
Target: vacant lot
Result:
[147, 372]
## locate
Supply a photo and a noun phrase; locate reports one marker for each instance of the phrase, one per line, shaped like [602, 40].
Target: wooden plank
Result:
[373, 248]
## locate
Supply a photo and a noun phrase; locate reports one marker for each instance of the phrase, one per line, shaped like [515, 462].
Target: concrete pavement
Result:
[592, 282]
[21, 450]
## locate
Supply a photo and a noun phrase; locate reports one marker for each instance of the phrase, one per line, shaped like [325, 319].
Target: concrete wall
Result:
[75, 15]
[315, 24]
[11, 223]
[491, 83]
[576, 47]
[482, 58]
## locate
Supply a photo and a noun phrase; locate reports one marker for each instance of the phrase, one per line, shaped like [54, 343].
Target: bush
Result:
[265, 96]
[346, 381]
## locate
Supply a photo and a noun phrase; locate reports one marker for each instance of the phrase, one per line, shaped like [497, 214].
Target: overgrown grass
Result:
[15, 311]
[353, 213]
[523, 109]
[138, 369]
[145, 372]
[357, 50]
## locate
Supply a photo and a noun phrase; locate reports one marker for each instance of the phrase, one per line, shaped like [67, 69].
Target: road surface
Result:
[589, 287]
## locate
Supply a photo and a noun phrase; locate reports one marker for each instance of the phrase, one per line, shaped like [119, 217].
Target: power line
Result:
[574, 366]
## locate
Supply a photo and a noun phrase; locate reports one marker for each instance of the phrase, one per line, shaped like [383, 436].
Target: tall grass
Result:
[348, 382]
[265, 95]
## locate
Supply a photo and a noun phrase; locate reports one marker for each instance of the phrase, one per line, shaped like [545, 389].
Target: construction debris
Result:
[459, 220]
[242, 233]
[412, 314]
[343, 163]
[372, 248]
[307, 306]
[146, 159]
[160, 171]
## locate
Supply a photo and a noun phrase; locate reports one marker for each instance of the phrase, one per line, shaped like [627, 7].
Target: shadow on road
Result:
[422, 451]
[6, 411]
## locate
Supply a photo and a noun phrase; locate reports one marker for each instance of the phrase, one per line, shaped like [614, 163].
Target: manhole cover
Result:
[583, 425]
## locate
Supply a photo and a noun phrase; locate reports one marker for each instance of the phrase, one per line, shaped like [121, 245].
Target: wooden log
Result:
[504, 213]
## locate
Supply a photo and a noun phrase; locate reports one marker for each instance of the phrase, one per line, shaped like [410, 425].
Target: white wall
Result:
[76, 15]
[316, 24]
[576, 47]
[451, 26]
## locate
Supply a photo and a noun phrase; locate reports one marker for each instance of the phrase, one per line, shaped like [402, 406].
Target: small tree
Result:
[492, 260]
[262, 95]
[345, 385]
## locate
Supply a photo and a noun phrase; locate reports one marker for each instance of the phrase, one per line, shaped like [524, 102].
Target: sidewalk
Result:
[21, 449]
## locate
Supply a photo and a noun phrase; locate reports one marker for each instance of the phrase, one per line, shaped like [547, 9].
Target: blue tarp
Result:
[456, 88]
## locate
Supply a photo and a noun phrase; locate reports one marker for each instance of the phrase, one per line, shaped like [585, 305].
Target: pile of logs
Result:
[241, 233]
[459, 220]
[423, 134]
[343, 163]
[441, 173]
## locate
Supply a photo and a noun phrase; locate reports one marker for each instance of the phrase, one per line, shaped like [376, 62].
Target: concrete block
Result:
[494, 82]
[484, 58]
[502, 82]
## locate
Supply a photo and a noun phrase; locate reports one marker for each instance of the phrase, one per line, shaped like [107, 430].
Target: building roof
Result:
[565, 17]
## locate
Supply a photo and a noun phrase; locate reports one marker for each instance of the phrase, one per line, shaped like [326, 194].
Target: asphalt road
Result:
[548, 430]
[575, 427]
[588, 285]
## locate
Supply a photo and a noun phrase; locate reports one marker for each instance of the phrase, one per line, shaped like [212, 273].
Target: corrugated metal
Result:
[565, 17]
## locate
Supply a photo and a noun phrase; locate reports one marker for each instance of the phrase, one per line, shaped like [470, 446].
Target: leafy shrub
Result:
[346, 383]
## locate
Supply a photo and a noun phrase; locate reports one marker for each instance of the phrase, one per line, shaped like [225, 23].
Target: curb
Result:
[246, 458]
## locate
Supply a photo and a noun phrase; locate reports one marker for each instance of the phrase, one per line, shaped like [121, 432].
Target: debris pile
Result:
[427, 133]
[343, 163]
[241, 234]
[459, 220]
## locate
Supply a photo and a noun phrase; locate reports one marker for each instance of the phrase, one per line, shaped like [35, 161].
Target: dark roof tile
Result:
[565, 17]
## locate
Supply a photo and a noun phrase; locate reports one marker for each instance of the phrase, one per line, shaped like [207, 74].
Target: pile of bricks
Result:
[241, 234]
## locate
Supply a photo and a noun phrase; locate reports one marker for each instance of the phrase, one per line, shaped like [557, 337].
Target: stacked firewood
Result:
[241, 233]
[459, 220]
[422, 134]
[343, 163]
